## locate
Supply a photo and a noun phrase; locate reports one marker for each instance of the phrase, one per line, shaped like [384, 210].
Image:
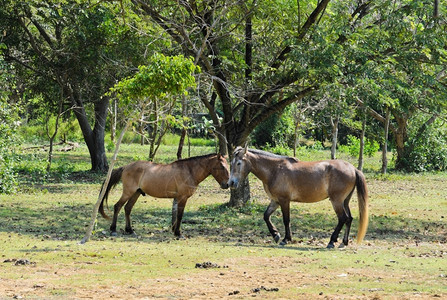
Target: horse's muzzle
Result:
[233, 183]
[224, 185]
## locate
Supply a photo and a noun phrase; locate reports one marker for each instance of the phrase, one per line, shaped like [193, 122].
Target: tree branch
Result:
[42, 32]
[277, 107]
[33, 42]
[376, 115]
[312, 19]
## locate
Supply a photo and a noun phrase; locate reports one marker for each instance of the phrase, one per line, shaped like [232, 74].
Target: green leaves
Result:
[161, 77]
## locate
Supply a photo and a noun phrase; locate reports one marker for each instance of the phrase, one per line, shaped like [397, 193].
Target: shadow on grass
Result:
[217, 223]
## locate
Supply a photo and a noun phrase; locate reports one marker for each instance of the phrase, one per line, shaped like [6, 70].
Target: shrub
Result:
[353, 147]
[317, 146]
[427, 153]
[277, 130]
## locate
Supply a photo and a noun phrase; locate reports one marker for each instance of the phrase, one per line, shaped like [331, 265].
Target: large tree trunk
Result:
[94, 138]
[240, 196]
[99, 158]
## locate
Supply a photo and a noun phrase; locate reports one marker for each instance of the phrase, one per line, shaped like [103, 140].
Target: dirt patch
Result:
[265, 278]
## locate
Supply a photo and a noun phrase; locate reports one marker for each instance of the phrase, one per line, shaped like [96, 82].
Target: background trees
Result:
[401, 56]
[266, 67]
[259, 57]
[70, 53]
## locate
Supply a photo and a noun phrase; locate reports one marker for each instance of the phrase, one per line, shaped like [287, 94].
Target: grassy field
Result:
[227, 252]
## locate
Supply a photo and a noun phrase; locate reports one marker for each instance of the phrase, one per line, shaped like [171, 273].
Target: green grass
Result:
[403, 255]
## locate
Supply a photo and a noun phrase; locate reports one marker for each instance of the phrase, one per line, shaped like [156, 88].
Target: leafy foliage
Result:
[152, 91]
[70, 52]
[429, 151]
[353, 146]
[163, 76]
[257, 58]
[277, 130]
[8, 138]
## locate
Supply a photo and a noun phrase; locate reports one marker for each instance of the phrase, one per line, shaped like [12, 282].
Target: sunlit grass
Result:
[402, 256]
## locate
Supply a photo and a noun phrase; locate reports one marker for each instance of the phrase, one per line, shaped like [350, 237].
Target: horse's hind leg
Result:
[342, 219]
[349, 219]
[268, 212]
[128, 210]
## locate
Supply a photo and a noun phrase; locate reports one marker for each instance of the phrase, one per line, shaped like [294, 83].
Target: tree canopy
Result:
[256, 59]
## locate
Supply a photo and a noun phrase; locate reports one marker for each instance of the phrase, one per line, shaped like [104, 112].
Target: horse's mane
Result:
[273, 155]
[195, 157]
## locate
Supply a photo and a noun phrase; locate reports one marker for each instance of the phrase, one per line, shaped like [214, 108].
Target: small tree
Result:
[162, 78]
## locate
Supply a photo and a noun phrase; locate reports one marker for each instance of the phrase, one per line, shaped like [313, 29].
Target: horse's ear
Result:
[219, 155]
[246, 147]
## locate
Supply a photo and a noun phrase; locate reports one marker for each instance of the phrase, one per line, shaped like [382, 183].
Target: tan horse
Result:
[286, 179]
[178, 180]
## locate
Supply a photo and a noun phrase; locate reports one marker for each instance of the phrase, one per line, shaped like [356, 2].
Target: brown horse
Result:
[178, 180]
[286, 179]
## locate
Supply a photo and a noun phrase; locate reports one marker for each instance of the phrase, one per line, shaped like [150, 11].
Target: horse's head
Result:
[219, 170]
[240, 167]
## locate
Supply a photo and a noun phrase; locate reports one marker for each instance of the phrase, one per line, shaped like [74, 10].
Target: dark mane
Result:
[196, 157]
[272, 155]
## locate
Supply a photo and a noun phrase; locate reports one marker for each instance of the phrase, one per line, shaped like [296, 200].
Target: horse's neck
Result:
[201, 170]
[261, 166]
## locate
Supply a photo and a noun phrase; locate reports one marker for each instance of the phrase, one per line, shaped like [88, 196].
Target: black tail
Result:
[114, 179]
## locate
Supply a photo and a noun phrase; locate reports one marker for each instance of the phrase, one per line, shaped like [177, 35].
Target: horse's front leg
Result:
[128, 210]
[285, 209]
[174, 213]
[178, 207]
[268, 212]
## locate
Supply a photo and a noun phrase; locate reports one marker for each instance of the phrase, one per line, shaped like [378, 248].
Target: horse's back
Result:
[313, 181]
[157, 180]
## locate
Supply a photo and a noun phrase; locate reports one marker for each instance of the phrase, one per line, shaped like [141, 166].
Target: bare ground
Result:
[282, 277]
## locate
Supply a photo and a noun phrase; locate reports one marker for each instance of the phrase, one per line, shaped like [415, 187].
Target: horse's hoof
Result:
[283, 243]
[330, 246]
[341, 246]
[113, 233]
[130, 233]
[277, 237]
[180, 237]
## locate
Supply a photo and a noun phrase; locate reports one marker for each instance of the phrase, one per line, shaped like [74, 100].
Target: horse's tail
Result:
[362, 195]
[114, 179]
